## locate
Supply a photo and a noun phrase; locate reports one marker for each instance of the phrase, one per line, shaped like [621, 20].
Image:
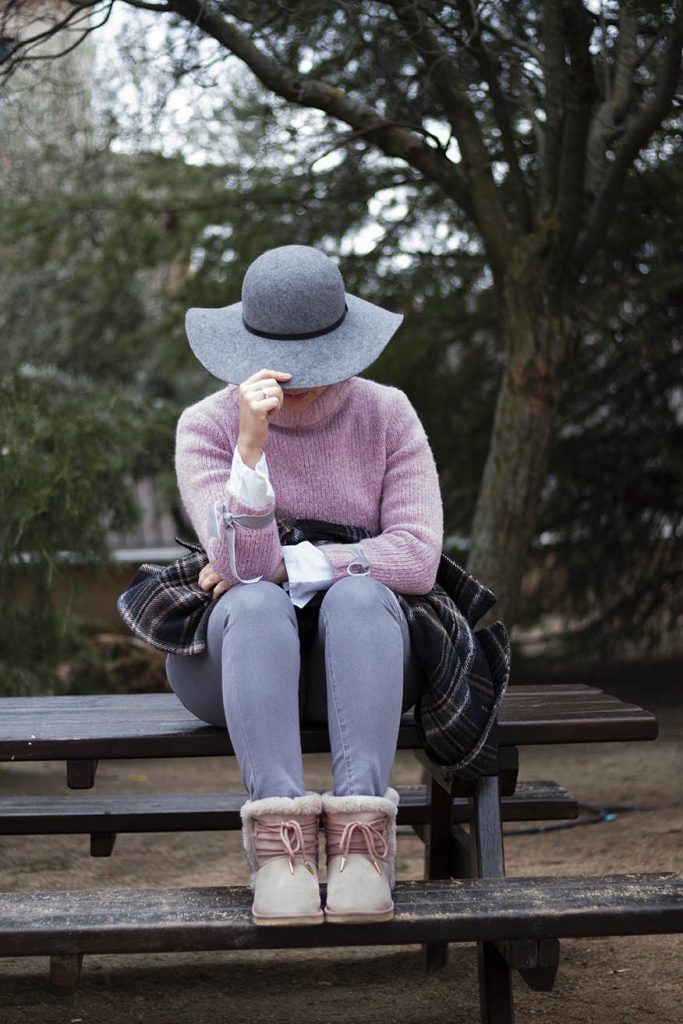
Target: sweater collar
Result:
[323, 409]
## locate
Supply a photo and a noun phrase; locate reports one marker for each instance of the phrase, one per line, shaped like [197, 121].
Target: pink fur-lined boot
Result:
[360, 838]
[280, 836]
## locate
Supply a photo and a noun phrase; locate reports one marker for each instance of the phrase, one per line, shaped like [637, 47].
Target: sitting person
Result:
[298, 435]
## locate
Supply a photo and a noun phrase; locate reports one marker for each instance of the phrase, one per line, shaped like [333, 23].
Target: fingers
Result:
[281, 375]
[264, 386]
[220, 588]
[208, 577]
[260, 397]
[267, 388]
[210, 580]
[263, 395]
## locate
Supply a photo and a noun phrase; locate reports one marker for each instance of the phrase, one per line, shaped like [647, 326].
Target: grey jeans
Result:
[358, 676]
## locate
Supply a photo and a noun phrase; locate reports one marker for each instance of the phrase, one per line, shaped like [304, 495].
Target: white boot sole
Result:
[301, 919]
[359, 918]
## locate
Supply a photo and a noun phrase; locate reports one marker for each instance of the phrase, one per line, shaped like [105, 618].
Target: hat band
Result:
[297, 337]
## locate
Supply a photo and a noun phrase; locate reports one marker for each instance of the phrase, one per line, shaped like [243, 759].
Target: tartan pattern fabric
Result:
[166, 607]
[466, 670]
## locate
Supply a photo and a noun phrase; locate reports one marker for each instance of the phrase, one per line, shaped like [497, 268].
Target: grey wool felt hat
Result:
[295, 315]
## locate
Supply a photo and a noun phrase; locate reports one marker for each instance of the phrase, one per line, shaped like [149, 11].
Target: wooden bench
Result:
[515, 913]
[103, 817]
[516, 922]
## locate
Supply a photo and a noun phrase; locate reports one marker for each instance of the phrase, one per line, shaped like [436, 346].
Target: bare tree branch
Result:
[512, 42]
[360, 133]
[579, 102]
[502, 112]
[635, 136]
[618, 97]
[554, 73]
[24, 46]
[485, 199]
[163, 8]
[393, 140]
[530, 106]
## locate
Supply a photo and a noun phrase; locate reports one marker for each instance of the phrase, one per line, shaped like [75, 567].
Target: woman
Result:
[304, 438]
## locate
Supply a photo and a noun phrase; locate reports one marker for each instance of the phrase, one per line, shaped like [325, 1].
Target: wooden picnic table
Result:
[517, 923]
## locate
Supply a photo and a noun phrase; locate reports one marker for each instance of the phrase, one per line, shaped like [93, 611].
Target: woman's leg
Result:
[363, 647]
[361, 658]
[248, 680]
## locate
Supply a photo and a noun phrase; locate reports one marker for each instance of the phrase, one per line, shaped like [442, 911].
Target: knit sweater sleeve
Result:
[203, 462]
[405, 555]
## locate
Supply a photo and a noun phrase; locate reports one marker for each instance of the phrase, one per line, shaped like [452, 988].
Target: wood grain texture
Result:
[171, 812]
[157, 725]
[459, 910]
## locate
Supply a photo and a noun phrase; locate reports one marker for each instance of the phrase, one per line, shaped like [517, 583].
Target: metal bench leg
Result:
[495, 974]
[438, 861]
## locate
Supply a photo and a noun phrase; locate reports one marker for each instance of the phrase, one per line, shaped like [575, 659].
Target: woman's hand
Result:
[280, 574]
[209, 578]
[260, 396]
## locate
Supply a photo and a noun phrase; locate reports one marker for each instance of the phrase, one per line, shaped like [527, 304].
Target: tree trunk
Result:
[538, 342]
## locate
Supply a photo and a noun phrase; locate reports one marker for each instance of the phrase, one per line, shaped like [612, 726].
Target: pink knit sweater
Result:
[358, 456]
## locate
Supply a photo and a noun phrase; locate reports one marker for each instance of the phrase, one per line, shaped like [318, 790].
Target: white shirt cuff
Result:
[251, 486]
[309, 570]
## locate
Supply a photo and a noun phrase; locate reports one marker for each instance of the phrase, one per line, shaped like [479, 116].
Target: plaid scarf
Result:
[466, 672]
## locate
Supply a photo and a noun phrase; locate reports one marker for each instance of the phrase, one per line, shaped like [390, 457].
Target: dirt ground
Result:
[610, 981]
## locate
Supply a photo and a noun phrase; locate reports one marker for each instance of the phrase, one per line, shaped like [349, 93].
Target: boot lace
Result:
[366, 837]
[292, 836]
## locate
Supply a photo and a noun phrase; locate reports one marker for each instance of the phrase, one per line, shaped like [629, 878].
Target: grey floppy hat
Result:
[295, 315]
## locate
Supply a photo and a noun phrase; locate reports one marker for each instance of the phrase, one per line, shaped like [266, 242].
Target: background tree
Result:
[58, 457]
[613, 502]
[114, 245]
[548, 106]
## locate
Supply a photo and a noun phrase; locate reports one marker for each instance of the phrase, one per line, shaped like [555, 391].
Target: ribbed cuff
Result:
[347, 560]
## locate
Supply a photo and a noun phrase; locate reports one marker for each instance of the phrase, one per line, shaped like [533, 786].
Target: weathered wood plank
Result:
[156, 725]
[460, 910]
[112, 726]
[171, 812]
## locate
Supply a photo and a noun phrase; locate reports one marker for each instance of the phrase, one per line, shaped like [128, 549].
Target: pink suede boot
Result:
[280, 837]
[360, 837]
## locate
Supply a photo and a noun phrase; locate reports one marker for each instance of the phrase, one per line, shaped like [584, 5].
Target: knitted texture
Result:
[358, 456]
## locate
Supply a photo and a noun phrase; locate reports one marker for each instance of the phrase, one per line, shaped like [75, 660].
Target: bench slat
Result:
[170, 812]
[157, 725]
[460, 910]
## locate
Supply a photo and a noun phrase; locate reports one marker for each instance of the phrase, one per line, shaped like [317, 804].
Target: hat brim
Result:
[230, 352]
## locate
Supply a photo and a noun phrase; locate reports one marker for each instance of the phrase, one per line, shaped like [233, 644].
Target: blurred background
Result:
[474, 160]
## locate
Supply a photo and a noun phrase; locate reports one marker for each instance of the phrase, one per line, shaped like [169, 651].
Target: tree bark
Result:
[538, 341]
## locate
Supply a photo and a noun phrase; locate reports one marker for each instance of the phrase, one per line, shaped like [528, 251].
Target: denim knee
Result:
[358, 594]
[255, 601]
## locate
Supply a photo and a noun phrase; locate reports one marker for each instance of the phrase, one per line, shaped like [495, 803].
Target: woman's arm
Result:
[203, 461]
[405, 556]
